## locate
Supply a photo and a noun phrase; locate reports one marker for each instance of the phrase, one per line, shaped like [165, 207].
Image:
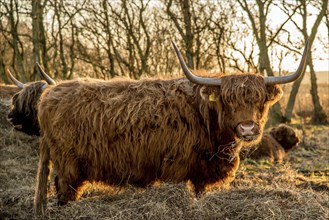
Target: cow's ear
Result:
[210, 94]
[274, 93]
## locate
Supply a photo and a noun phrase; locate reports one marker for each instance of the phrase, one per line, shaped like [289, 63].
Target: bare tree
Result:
[63, 36]
[2, 61]
[162, 60]
[94, 44]
[257, 15]
[242, 59]
[133, 38]
[11, 13]
[132, 18]
[125, 44]
[38, 33]
[219, 31]
[58, 8]
[319, 116]
[3, 47]
[184, 28]
[203, 28]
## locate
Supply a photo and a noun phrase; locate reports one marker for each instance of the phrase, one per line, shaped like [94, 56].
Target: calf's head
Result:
[24, 112]
[285, 135]
[241, 101]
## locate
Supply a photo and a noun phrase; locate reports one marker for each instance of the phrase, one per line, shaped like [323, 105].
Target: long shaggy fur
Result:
[137, 132]
[243, 90]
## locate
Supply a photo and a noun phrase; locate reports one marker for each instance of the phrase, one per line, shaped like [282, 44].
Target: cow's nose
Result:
[247, 129]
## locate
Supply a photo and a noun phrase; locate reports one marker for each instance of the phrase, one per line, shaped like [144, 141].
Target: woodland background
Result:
[110, 38]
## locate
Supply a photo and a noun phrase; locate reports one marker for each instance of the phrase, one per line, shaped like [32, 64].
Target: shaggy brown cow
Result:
[137, 132]
[275, 144]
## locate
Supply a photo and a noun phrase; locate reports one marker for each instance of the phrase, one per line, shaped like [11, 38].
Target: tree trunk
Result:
[3, 74]
[187, 33]
[292, 98]
[109, 40]
[319, 116]
[188, 38]
[38, 34]
[18, 55]
[275, 116]
[275, 113]
[74, 35]
[58, 13]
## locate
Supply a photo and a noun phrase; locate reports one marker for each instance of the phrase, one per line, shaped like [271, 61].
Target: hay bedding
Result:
[261, 190]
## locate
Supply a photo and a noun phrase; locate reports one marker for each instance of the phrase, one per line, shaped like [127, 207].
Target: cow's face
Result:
[285, 135]
[23, 114]
[242, 103]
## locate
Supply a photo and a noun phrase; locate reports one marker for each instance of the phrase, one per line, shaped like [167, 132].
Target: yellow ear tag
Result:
[212, 97]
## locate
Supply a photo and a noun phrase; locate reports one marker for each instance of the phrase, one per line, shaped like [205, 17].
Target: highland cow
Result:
[136, 132]
[24, 114]
[275, 144]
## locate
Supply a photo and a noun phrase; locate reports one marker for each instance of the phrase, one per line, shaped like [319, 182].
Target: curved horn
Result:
[193, 78]
[14, 80]
[270, 80]
[44, 75]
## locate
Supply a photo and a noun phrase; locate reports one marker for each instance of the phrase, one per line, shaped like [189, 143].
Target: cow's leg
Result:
[67, 183]
[56, 184]
[67, 189]
[199, 189]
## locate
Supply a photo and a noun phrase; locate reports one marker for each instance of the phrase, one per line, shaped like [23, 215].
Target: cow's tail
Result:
[44, 166]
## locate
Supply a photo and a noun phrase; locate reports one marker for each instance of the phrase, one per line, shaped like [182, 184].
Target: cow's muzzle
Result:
[247, 131]
[11, 118]
[17, 126]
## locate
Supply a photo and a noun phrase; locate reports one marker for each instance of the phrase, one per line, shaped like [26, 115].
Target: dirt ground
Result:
[297, 189]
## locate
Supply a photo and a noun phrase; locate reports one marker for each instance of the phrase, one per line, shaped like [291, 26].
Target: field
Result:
[297, 189]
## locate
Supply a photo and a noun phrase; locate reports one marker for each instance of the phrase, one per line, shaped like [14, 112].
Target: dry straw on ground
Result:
[298, 189]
